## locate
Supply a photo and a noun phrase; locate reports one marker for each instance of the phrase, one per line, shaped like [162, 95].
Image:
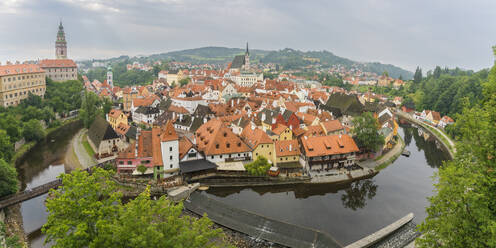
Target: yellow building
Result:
[128, 95]
[174, 76]
[287, 154]
[17, 81]
[115, 117]
[259, 142]
[281, 132]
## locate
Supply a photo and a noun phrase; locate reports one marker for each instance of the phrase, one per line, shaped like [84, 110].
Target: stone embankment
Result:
[442, 138]
[389, 236]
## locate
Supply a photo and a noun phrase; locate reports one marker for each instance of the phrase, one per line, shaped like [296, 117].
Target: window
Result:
[212, 157]
[129, 162]
[171, 166]
[220, 156]
[170, 149]
[228, 145]
[170, 157]
[121, 162]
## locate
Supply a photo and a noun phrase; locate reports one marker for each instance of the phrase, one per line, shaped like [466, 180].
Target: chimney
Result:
[204, 120]
[238, 101]
[180, 117]
[253, 127]
[273, 120]
[290, 147]
[194, 139]
[263, 116]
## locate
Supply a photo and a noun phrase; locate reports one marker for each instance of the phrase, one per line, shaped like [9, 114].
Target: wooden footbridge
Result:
[29, 194]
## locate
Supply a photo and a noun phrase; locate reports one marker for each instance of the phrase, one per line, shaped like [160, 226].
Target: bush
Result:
[8, 178]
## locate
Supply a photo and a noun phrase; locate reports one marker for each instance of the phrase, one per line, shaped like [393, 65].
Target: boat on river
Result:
[405, 153]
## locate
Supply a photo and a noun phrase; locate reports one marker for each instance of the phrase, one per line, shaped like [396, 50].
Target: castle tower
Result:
[61, 44]
[110, 77]
[247, 58]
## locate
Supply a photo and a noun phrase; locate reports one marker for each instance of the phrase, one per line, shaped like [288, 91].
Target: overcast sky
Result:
[404, 33]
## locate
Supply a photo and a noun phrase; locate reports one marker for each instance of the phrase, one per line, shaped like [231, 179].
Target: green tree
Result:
[8, 178]
[365, 131]
[87, 212]
[184, 81]
[33, 131]
[417, 77]
[6, 148]
[147, 223]
[89, 108]
[462, 213]
[106, 105]
[259, 167]
[82, 207]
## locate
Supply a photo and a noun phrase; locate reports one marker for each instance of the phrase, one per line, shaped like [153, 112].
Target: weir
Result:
[258, 226]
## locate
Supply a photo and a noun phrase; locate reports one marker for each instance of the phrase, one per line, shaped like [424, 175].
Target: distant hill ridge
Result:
[288, 58]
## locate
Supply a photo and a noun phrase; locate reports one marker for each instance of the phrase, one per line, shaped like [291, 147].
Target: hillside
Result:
[288, 58]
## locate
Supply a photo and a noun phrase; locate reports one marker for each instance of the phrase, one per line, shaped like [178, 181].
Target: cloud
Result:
[405, 33]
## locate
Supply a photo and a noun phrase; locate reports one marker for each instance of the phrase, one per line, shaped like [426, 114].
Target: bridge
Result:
[29, 194]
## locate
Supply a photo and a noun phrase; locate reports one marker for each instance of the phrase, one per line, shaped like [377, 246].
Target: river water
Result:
[348, 212]
[351, 211]
[41, 165]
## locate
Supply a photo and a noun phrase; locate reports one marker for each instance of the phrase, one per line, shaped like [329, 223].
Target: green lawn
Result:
[87, 146]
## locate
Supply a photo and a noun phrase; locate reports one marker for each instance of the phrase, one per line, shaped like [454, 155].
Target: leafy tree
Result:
[259, 167]
[33, 130]
[463, 213]
[87, 212]
[184, 81]
[365, 131]
[141, 169]
[417, 77]
[437, 72]
[89, 108]
[147, 223]
[8, 178]
[106, 105]
[6, 148]
[81, 208]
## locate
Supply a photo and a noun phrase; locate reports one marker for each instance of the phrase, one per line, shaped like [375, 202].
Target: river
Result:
[351, 211]
[41, 165]
[347, 212]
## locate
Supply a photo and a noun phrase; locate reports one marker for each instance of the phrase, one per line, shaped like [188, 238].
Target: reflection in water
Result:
[428, 146]
[356, 196]
[350, 211]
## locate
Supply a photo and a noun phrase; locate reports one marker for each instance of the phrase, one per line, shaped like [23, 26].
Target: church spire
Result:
[247, 52]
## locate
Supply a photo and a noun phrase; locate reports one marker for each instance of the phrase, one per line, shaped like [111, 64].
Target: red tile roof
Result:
[57, 63]
[184, 146]
[328, 145]
[332, 126]
[6, 70]
[168, 132]
[255, 136]
[287, 148]
[215, 138]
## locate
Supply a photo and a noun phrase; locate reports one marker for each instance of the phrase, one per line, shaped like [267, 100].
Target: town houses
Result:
[218, 121]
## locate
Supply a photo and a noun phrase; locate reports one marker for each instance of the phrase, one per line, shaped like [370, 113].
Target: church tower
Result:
[110, 77]
[247, 58]
[61, 44]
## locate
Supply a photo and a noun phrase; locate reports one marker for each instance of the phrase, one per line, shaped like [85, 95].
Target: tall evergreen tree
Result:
[417, 77]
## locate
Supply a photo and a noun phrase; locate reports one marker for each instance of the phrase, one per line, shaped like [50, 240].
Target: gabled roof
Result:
[168, 132]
[341, 104]
[287, 148]
[184, 146]
[147, 110]
[328, 145]
[115, 113]
[101, 130]
[238, 62]
[279, 129]
[215, 138]
[332, 125]
[196, 165]
[56, 63]
[254, 136]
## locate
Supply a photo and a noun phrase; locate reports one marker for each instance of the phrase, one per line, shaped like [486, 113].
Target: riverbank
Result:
[13, 215]
[440, 136]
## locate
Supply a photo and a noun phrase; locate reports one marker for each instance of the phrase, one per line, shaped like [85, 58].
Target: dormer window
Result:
[239, 144]
[217, 146]
[228, 145]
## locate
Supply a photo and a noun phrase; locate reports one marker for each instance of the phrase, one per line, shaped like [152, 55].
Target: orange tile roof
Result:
[6, 70]
[145, 148]
[168, 132]
[328, 145]
[332, 126]
[178, 109]
[122, 128]
[56, 63]
[279, 129]
[156, 147]
[184, 146]
[215, 138]
[137, 102]
[255, 136]
[315, 131]
[287, 148]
